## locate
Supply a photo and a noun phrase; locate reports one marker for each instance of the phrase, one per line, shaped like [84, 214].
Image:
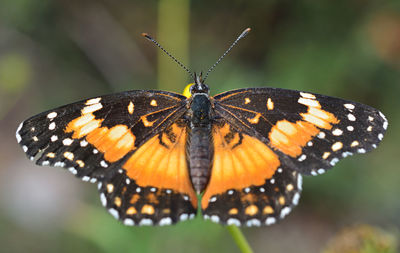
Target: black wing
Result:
[96, 140]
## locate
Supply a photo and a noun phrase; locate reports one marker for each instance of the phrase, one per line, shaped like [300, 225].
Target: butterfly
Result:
[242, 153]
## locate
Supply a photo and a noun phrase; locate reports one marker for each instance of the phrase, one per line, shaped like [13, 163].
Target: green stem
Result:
[239, 238]
[173, 34]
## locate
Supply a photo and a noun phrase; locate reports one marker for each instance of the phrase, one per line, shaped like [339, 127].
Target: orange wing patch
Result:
[161, 162]
[315, 114]
[113, 142]
[291, 137]
[238, 163]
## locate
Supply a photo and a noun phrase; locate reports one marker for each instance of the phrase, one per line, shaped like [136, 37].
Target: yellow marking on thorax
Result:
[186, 91]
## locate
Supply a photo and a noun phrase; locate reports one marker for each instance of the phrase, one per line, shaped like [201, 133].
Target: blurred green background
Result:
[56, 52]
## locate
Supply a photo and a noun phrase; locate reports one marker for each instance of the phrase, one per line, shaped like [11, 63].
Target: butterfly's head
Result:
[199, 86]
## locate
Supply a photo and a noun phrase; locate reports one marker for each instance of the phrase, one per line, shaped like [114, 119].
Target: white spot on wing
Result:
[67, 141]
[73, 170]
[103, 199]
[93, 101]
[59, 164]
[233, 221]
[302, 158]
[253, 222]
[285, 211]
[214, 218]
[183, 217]
[349, 106]
[296, 198]
[351, 117]
[54, 138]
[129, 222]
[308, 102]
[337, 132]
[346, 154]
[51, 115]
[83, 143]
[334, 161]
[25, 148]
[165, 221]
[299, 182]
[385, 125]
[383, 116]
[91, 108]
[114, 213]
[270, 221]
[52, 126]
[17, 135]
[361, 151]
[145, 222]
[307, 95]
[103, 164]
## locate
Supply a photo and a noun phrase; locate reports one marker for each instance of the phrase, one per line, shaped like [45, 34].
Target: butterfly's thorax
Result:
[199, 142]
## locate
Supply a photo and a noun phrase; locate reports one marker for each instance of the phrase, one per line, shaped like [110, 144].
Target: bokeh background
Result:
[56, 52]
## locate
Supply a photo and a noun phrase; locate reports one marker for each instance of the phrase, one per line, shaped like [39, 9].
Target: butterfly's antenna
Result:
[241, 36]
[165, 51]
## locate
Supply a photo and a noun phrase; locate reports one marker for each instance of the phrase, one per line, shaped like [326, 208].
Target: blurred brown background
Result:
[56, 52]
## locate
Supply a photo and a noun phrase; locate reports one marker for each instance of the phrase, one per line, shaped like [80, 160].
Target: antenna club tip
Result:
[248, 29]
[144, 34]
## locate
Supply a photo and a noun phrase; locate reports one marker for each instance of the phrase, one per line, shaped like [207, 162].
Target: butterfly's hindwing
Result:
[248, 185]
[88, 136]
[153, 185]
[309, 132]
[137, 205]
[263, 203]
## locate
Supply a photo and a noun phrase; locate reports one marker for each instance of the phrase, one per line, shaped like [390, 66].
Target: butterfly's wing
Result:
[248, 184]
[103, 139]
[296, 131]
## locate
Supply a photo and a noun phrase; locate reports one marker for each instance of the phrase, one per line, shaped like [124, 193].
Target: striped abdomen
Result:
[200, 154]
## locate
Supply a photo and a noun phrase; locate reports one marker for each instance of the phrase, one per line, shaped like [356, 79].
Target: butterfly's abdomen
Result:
[199, 145]
[200, 153]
